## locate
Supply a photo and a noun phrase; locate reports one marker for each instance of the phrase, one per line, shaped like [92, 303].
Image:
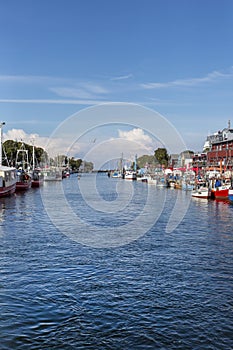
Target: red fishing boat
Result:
[23, 178]
[37, 178]
[23, 182]
[220, 192]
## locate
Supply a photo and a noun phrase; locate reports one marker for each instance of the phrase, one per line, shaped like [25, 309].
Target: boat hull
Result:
[23, 186]
[36, 183]
[201, 194]
[220, 193]
[230, 195]
[130, 176]
[7, 181]
[8, 190]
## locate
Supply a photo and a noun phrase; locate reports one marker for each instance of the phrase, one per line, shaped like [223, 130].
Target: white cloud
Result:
[84, 91]
[137, 135]
[129, 143]
[72, 92]
[53, 146]
[52, 101]
[19, 135]
[213, 76]
[123, 77]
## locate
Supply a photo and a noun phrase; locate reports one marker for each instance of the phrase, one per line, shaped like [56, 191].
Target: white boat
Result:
[201, 191]
[143, 178]
[172, 184]
[7, 180]
[151, 180]
[117, 174]
[7, 174]
[130, 175]
[52, 174]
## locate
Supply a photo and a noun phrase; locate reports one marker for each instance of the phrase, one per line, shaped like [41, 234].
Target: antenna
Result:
[229, 124]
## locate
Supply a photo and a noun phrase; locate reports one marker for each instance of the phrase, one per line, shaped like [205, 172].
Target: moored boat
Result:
[142, 178]
[130, 175]
[52, 174]
[23, 181]
[37, 178]
[201, 192]
[65, 173]
[230, 194]
[116, 174]
[7, 180]
[152, 180]
[7, 174]
[220, 192]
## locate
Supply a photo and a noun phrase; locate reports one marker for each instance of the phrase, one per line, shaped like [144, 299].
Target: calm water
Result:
[160, 291]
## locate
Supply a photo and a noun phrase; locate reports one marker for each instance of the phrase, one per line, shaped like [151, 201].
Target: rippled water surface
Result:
[159, 291]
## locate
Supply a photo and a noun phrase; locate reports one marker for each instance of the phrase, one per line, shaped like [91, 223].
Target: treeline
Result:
[11, 147]
[160, 158]
[41, 157]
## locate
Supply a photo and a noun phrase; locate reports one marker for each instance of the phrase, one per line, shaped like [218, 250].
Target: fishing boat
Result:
[7, 174]
[171, 183]
[52, 174]
[65, 173]
[37, 178]
[23, 178]
[220, 191]
[7, 180]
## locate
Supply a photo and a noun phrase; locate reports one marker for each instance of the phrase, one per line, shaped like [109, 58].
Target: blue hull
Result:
[230, 195]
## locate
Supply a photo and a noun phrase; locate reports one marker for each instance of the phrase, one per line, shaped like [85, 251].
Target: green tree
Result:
[75, 163]
[162, 156]
[147, 160]
[10, 148]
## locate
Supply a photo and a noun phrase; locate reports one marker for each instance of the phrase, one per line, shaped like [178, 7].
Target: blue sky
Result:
[173, 56]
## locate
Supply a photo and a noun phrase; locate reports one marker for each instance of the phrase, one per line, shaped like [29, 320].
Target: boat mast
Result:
[33, 156]
[1, 125]
[135, 163]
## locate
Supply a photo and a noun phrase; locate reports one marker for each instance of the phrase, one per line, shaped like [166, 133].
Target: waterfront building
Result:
[220, 150]
[173, 160]
[199, 162]
[185, 159]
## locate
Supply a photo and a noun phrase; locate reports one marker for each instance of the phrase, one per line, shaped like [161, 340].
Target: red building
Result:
[220, 153]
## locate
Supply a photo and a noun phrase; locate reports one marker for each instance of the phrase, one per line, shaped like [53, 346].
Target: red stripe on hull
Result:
[37, 183]
[21, 186]
[220, 194]
[7, 191]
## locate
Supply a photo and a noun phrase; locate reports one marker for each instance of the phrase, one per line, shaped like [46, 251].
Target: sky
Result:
[60, 58]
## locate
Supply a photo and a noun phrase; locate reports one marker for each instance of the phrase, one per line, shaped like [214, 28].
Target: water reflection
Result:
[2, 211]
